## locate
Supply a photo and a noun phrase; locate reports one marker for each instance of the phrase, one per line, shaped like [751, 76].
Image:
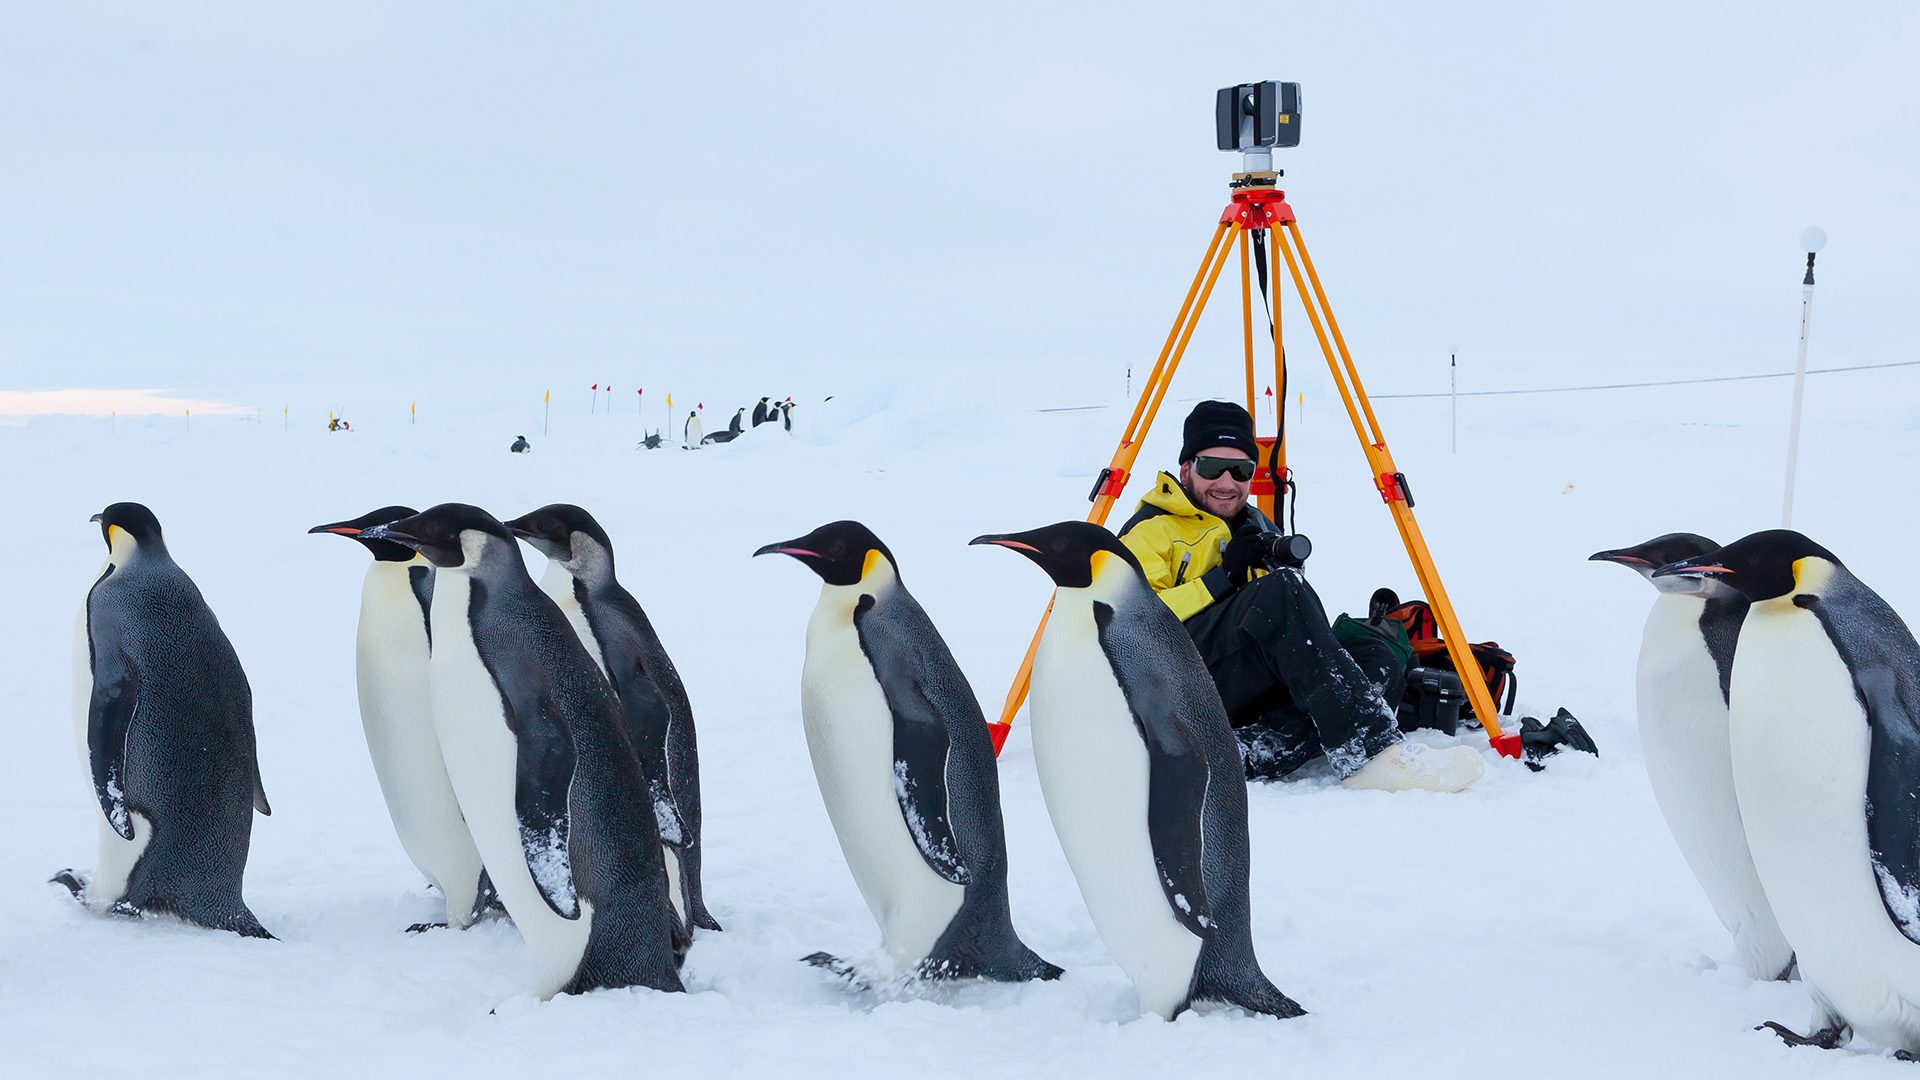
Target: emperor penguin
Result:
[1142, 778]
[1686, 665]
[391, 650]
[620, 638]
[539, 757]
[1824, 726]
[164, 718]
[906, 767]
[691, 431]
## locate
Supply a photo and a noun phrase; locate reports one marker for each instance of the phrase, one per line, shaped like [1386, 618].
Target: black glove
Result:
[1244, 553]
[1247, 551]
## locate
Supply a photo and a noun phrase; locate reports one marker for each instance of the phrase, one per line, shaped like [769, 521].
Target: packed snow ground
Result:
[1537, 925]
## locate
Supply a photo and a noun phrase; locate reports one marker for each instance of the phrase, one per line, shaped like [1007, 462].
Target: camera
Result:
[1285, 549]
[1254, 118]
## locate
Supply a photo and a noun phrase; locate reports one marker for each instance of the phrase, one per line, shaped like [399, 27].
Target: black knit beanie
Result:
[1218, 423]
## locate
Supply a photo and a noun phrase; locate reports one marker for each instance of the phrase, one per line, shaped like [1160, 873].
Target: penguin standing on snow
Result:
[1686, 665]
[762, 412]
[1824, 722]
[619, 637]
[391, 650]
[520, 445]
[539, 756]
[164, 717]
[906, 767]
[691, 431]
[1142, 778]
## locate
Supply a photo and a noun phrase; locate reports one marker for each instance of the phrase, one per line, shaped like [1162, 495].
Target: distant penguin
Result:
[691, 431]
[906, 767]
[1686, 663]
[762, 412]
[538, 753]
[786, 414]
[520, 445]
[619, 637]
[1142, 778]
[391, 651]
[164, 717]
[1824, 724]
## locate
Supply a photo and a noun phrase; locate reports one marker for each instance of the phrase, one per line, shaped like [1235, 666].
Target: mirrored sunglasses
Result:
[1210, 468]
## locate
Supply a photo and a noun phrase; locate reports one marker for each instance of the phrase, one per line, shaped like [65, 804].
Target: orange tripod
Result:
[1258, 206]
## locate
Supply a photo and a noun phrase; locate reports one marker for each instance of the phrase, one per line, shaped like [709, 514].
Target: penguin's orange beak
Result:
[1688, 568]
[1619, 557]
[785, 547]
[1003, 542]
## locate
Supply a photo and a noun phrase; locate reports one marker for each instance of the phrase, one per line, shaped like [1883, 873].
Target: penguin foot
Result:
[1830, 1038]
[75, 884]
[839, 968]
[1905, 1055]
[423, 927]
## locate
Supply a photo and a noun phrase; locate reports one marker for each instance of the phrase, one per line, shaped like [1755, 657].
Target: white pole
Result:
[1813, 239]
[1453, 395]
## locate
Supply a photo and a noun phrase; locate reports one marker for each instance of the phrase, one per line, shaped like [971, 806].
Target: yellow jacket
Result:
[1179, 544]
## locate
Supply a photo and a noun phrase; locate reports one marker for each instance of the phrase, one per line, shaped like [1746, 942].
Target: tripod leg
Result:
[1144, 410]
[1391, 484]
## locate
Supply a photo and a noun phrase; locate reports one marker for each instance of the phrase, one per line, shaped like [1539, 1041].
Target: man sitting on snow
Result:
[1290, 689]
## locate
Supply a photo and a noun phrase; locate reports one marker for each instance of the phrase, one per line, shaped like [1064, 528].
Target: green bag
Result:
[1346, 629]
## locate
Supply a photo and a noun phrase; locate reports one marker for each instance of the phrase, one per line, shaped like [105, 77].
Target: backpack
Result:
[1423, 631]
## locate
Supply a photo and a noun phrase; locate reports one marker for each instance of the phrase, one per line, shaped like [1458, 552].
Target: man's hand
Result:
[1246, 552]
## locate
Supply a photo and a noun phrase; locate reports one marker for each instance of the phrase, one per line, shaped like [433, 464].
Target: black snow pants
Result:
[1291, 690]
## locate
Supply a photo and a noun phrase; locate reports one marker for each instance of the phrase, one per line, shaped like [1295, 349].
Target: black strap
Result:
[1282, 485]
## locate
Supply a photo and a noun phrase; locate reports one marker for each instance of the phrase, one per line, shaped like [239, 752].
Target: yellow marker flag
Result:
[669, 401]
[548, 398]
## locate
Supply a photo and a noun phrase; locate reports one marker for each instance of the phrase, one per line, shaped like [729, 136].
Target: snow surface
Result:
[1536, 925]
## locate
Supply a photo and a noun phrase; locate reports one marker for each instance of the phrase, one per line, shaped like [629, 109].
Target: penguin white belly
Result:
[396, 710]
[850, 739]
[481, 757]
[114, 856]
[1800, 746]
[557, 583]
[1683, 733]
[675, 888]
[1093, 770]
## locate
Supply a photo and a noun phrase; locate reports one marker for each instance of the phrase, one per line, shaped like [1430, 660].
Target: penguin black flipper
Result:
[1177, 780]
[1884, 659]
[542, 777]
[544, 764]
[920, 744]
[646, 710]
[639, 697]
[110, 713]
[109, 720]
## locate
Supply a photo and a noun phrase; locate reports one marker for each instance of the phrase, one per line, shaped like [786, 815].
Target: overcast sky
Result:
[243, 200]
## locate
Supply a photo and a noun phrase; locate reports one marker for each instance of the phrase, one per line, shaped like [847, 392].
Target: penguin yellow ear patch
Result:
[114, 532]
[1098, 562]
[866, 565]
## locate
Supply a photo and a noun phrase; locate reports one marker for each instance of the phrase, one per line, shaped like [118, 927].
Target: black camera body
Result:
[1257, 116]
[1285, 549]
